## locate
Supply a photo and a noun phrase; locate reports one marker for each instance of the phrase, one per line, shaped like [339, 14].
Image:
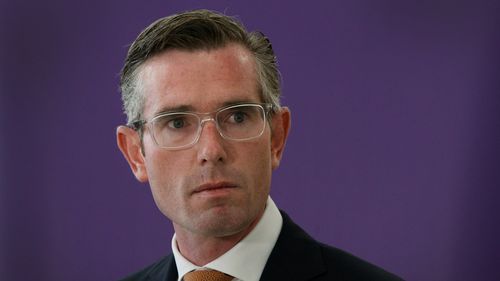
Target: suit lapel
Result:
[165, 271]
[296, 256]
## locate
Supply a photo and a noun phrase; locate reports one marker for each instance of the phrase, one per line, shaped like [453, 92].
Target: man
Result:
[206, 130]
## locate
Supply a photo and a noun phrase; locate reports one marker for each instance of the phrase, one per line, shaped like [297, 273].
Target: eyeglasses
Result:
[179, 130]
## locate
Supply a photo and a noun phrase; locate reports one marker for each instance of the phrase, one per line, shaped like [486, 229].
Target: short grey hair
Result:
[196, 30]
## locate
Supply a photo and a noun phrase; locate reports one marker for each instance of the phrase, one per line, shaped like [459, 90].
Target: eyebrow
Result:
[171, 109]
[235, 102]
[190, 108]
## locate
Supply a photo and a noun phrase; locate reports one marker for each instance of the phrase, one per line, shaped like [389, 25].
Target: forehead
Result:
[201, 80]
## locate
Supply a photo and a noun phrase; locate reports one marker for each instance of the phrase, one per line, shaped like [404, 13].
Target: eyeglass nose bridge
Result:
[207, 119]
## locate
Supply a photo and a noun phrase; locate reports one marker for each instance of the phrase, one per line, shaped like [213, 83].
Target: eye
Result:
[238, 117]
[177, 123]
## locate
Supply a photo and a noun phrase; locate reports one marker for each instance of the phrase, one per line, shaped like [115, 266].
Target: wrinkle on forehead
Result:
[237, 59]
[168, 73]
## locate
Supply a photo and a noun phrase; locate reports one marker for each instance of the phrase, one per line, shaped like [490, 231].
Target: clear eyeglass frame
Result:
[264, 109]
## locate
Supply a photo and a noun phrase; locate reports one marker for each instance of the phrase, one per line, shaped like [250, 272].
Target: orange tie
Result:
[207, 275]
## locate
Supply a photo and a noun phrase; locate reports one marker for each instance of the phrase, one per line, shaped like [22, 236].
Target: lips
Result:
[207, 187]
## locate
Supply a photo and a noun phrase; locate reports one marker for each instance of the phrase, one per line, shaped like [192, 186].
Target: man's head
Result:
[194, 65]
[194, 31]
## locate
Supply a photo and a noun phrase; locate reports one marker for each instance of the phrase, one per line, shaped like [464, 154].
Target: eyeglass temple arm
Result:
[136, 125]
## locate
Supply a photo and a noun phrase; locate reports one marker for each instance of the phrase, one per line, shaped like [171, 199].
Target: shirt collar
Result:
[246, 260]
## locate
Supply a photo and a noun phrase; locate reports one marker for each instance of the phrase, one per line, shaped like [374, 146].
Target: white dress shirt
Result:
[246, 260]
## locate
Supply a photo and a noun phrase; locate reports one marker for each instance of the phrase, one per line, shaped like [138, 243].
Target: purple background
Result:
[394, 152]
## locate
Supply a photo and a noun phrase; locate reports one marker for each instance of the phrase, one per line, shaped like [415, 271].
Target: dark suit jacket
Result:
[295, 257]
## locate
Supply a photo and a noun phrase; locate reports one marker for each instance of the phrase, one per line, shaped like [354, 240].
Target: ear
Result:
[129, 143]
[280, 129]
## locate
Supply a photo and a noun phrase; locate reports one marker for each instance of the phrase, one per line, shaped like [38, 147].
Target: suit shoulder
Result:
[153, 269]
[301, 257]
[351, 267]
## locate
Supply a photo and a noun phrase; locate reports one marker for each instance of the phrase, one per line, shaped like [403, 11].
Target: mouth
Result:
[214, 188]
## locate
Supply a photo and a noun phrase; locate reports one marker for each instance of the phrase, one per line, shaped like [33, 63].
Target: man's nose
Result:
[210, 144]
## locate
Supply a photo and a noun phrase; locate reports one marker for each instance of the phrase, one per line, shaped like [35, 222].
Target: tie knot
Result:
[207, 275]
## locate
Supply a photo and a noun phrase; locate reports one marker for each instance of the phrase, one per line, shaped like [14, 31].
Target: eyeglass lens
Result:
[240, 122]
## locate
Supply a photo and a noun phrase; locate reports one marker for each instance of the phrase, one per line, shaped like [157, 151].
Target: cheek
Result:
[166, 183]
[165, 178]
[257, 163]
[163, 166]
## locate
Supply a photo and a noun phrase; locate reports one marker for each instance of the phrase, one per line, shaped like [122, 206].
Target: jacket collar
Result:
[164, 270]
[294, 245]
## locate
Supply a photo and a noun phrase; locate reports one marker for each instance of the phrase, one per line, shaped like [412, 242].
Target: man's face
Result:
[217, 187]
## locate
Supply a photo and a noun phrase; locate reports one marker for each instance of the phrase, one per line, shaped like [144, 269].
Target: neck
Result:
[201, 249]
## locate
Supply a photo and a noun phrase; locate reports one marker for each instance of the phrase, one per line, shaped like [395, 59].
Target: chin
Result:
[221, 222]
